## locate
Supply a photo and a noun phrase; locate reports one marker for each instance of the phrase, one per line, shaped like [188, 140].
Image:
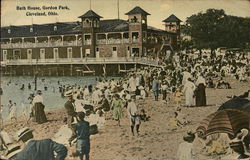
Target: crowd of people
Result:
[183, 75]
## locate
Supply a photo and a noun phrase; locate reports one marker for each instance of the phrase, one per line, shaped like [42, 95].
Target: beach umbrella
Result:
[228, 121]
[234, 103]
[246, 107]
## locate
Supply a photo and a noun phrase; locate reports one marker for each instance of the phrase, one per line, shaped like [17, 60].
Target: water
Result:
[52, 97]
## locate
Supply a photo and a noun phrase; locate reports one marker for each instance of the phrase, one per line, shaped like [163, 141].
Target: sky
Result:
[159, 9]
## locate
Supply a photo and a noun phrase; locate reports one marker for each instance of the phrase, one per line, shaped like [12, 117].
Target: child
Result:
[82, 135]
[177, 96]
[174, 122]
[143, 116]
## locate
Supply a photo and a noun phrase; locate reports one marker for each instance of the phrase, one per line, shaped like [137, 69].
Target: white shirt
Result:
[132, 108]
[37, 99]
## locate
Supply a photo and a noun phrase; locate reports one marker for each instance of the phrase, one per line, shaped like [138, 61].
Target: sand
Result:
[156, 141]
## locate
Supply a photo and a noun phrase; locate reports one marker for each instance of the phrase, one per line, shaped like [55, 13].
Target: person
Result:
[238, 146]
[12, 114]
[117, 107]
[188, 89]
[71, 113]
[155, 88]
[38, 108]
[1, 118]
[132, 83]
[164, 90]
[134, 118]
[200, 92]
[177, 96]
[82, 135]
[103, 105]
[186, 149]
[39, 149]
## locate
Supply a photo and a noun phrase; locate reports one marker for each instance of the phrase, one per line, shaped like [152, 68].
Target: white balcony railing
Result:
[41, 44]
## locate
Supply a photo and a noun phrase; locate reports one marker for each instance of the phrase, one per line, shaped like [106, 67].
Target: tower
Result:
[172, 24]
[137, 20]
[90, 26]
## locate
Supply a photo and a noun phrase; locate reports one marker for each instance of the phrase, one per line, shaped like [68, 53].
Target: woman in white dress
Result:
[188, 89]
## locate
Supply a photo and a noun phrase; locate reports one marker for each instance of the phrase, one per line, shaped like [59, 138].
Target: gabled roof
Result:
[172, 18]
[137, 10]
[90, 14]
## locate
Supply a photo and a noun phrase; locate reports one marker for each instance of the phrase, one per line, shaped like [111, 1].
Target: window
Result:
[9, 31]
[29, 51]
[55, 28]
[4, 55]
[128, 48]
[69, 50]
[143, 21]
[114, 49]
[42, 51]
[31, 29]
[97, 49]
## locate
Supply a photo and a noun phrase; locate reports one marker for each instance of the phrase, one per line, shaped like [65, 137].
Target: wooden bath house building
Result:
[91, 41]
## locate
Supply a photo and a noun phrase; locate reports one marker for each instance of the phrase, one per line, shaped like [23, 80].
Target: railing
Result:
[41, 44]
[139, 60]
[112, 41]
[87, 42]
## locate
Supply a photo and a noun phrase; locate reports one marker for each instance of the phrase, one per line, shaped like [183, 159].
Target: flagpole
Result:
[118, 8]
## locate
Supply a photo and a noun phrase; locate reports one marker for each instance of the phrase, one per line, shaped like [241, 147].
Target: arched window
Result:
[9, 31]
[55, 28]
[31, 29]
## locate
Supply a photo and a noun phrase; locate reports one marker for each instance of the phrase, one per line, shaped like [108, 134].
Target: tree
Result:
[215, 29]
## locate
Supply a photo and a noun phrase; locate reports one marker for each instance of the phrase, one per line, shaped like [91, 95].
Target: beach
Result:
[156, 139]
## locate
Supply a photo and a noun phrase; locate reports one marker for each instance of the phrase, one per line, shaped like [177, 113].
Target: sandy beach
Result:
[156, 139]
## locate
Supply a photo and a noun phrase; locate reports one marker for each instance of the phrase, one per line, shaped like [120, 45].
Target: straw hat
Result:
[68, 93]
[140, 87]
[22, 132]
[13, 150]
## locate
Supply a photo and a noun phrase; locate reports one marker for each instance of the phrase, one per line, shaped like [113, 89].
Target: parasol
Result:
[228, 121]
[234, 103]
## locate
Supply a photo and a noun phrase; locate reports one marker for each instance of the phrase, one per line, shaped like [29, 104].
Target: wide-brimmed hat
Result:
[189, 136]
[13, 150]
[68, 93]
[22, 132]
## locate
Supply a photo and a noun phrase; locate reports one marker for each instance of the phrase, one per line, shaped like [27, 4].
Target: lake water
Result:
[52, 97]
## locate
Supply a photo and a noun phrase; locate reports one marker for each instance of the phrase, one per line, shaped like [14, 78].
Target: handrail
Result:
[139, 60]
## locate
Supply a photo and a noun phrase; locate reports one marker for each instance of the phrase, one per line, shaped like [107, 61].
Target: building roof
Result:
[172, 18]
[90, 14]
[137, 10]
[68, 28]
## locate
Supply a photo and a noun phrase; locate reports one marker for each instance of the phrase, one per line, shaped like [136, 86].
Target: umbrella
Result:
[234, 103]
[246, 107]
[228, 121]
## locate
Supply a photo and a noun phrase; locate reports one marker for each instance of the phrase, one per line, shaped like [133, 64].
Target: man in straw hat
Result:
[70, 109]
[38, 149]
[134, 118]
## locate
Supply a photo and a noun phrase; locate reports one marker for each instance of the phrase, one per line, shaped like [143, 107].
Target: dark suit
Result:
[70, 109]
[42, 150]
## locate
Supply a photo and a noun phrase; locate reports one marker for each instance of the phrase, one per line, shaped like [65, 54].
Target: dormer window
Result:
[55, 28]
[31, 29]
[9, 31]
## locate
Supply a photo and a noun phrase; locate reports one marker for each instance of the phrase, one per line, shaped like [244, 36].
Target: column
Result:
[35, 41]
[76, 42]
[106, 34]
[62, 40]
[22, 42]
[48, 41]
[122, 36]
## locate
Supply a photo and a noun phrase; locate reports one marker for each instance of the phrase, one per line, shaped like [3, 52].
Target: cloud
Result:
[164, 6]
